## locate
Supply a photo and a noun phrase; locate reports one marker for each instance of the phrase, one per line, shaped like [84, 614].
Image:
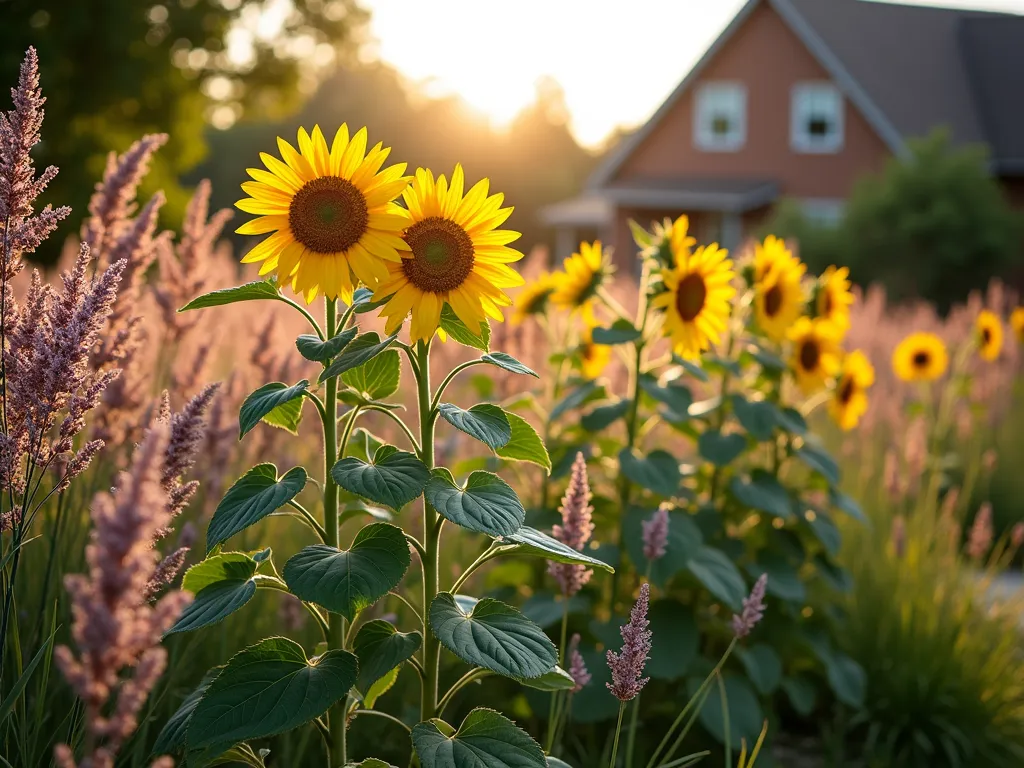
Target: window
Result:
[720, 119]
[817, 118]
[823, 212]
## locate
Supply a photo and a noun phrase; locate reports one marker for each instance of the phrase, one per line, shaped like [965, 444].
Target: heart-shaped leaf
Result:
[276, 403]
[525, 444]
[218, 568]
[487, 504]
[260, 289]
[372, 762]
[393, 478]
[791, 420]
[574, 399]
[254, 495]
[721, 449]
[621, 332]
[819, 460]
[485, 739]
[758, 417]
[362, 301]
[380, 648]
[377, 378]
[847, 679]
[508, 363]
[362, 349]
[846, 504]
[487, 423]
[171, 738]
[658, 471]
[763, 667]
[529, 541]
[555, 680]
[604, 415]
[691, 368]
[716, 572]
[478, 338]
[214, 603]
[311, 348]
[346, 582]
[677, 397]
[762, 492]
[269, 688]
[674, 623]
[492, 635]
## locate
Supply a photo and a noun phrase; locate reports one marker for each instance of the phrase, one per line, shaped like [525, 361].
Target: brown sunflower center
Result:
[773, 301]
[986, 336]
[328, 215]
[442, 255]
[826, 303]
[810, 354]
[846, 390]
[691, 294]
[921, 359]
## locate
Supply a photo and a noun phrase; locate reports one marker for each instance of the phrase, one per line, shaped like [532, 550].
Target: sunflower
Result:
[532, 299]
[1017, 323]
[849, 400]
[331, 212]
[920, 357]
[816, 352]
[696, 297]
[833, 298]
[583, 273]
[594, 358]
[778, 292]
[990, 335]
[456, 255]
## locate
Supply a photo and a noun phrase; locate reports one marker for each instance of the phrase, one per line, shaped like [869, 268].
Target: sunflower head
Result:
[455, 255]
[832, 297]
[329, 213]
[816, 353]
[920, 357]
[594, 358]
[696, 299]
[1017, 323]
[988, 331]
[582, 275]
[778, 288]
[532, 298]
[849, 399]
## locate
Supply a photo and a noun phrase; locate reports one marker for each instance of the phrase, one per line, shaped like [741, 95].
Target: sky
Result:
[616, 61]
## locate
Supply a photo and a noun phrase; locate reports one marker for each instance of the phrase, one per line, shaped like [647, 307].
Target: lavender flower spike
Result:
[753, 609]
[575, 530]
[655, 534]
[628, 664]
[577, 667]
[980, 540]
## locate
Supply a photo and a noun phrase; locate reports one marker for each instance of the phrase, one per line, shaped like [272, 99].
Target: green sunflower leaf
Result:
[718, 573]
[487, 504]
[362, 301]
[360, 351]
[657, 472]
[460, 332]
[604, 416]
[486, 422]
[377, 378]
[276, 403]
[721, 449]
[485, 739]
[256, 494]
[380, 648]
[762, 492]
[346, 582]
[508, 363]
[393, 478]
[493, 635]
[269, 688]
[525, 444]
[220, 567]
[529, 541]
[621, 332]
[311, 348]
[260, 289]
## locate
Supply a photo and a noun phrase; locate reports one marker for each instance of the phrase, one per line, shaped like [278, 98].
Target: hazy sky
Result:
[616, 60]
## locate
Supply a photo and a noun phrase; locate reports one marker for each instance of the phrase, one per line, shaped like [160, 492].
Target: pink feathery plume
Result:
[19, 186]
[753, 609]
[979, 540]
[898, 534]
[113, 626]
[575, 530]
[577, 668]
[188, 429]
[1017, 535]
[627, 666]
[655, 534]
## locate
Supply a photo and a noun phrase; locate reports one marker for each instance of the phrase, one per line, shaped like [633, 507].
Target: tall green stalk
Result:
[336, 631]
[431, 536]
[618, 730]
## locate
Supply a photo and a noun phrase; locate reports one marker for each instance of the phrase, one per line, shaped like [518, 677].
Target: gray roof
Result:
[908, 69]
[697, 194]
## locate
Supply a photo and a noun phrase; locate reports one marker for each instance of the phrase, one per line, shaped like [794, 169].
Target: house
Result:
[797, 99]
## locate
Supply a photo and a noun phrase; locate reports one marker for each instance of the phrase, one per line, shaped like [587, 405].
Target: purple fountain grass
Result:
[114, 627]
[627, 666]
[655, 534]
[577, 668]
[1017, 535]
[979, 541]
[753, 609]
[575, 530]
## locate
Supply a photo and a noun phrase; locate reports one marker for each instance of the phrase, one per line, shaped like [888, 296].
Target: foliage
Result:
[163, 67]
[934, 225]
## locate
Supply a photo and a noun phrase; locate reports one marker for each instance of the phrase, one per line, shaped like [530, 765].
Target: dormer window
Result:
[816, 121]
[720, 117]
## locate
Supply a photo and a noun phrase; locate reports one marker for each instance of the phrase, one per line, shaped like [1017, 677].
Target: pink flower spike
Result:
[753, 609]
[655, 535]
[627, 666]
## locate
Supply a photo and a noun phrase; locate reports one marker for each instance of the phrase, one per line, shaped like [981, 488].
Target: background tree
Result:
[115, 69]
[934, 225]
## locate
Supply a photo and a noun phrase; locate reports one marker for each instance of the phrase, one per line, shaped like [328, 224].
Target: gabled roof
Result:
[906, 69]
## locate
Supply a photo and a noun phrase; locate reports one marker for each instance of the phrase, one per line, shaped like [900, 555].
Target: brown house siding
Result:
[768, 59]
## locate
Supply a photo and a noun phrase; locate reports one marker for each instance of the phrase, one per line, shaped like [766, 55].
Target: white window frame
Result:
[825, 212]
[707, 93]
[802, 100]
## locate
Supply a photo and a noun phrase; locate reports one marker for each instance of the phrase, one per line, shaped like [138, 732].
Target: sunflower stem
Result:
[336, 623]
